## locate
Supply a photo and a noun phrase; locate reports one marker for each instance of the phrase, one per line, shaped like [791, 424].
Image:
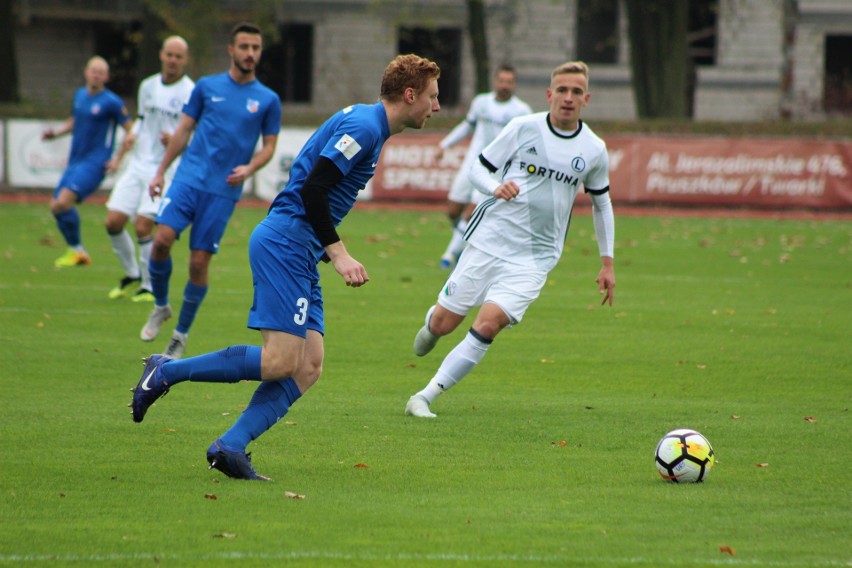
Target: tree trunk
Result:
[8, 58]
[153, 32]
[479, 44]
[659, 58]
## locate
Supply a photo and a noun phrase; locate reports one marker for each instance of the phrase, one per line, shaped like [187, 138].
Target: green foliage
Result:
[735, 327]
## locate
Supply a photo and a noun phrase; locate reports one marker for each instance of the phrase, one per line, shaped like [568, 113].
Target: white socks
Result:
[145, 247]
[456, 246]
[457, 364]
[122, 246]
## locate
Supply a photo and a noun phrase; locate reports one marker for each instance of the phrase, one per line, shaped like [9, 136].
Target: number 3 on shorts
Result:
[300, 316]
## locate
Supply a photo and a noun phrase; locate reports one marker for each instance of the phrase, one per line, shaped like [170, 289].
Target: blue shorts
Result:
[287, 293]
[83, 178]
[208, 213]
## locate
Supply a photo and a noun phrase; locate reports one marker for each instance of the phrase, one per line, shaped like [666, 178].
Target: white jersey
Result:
[549, 168]
[160, 107]
[485, 119]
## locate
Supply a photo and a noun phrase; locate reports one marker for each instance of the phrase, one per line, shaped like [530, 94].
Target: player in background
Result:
[160, 100]
[227, 112]
[95, 113]
[486, 117]
[299, 231]
[532, 172]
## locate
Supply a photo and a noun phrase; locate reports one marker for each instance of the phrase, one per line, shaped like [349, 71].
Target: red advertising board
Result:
[665, 170]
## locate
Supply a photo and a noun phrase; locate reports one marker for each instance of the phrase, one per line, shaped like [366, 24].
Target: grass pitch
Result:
[738, 328]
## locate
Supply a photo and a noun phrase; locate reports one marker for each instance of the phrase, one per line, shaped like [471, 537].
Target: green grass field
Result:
[739, 328]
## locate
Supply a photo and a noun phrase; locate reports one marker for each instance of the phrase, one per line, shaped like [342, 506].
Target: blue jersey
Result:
[352, 138]
[230, 118]
[95, 119]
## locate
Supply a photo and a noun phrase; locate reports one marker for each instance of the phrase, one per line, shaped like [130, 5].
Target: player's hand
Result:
[238, 176]
[165, 137]
[606, 284]
[352, 271]
[112, 165]
[155, 188]
[507, 191]
[439, 155]
[48, 134]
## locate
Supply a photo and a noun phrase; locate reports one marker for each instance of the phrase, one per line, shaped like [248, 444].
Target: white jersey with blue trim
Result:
[549, 167]
[160, 107]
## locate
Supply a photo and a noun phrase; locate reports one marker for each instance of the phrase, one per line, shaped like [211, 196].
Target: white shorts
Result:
[479, 278]
[130, 193]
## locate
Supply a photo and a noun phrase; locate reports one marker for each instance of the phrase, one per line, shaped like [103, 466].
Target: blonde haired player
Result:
[516, 236]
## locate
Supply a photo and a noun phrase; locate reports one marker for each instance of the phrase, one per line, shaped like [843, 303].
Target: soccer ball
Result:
[684, 456]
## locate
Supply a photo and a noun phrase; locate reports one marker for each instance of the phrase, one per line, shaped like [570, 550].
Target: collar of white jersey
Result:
[560, 134]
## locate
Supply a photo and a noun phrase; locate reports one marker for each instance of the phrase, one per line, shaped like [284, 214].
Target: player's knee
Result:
[308, 374]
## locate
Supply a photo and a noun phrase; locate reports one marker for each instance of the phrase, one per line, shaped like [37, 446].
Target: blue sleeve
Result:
[351, 143]
[122, 116]
[272, 119]
[195, 105]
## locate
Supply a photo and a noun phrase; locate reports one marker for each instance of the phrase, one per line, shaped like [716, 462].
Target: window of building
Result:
[701, 37]
[287, 65]
[838, 73]
[597, 31]
[118, 44]
[443, 46]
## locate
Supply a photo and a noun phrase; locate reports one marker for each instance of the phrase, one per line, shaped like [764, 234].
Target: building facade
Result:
[753, 60]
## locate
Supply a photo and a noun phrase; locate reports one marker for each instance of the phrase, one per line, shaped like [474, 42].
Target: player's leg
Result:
[175, 215]
[460, 361]
[211, 218]
[292, 354]
[78, 182]
[145, 240]
[146, 214]
[121, 206]
[455, 213]
[272, 398]
[504, 293]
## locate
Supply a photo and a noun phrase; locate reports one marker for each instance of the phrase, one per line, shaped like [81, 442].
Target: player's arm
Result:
[604, 222]
[323, 177]
[52, 133]
[241, 173]
[130, 129]
[177, 144]
[461, 131]
[481, 175]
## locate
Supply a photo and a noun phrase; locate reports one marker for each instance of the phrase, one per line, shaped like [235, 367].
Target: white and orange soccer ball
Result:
[684, 456]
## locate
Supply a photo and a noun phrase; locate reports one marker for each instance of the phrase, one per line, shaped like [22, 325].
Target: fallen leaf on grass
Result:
[810, 419]
[560, 443]
[225, 535]
[761, 465]
[727, 549]
[211, 496]
[361, 466]
[734, 417]
[291, 495]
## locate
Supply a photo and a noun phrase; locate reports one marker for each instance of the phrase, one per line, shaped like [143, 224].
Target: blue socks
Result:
[192, 297]
[68, 223]
[270, 403]
[160, 271]
[230, 365]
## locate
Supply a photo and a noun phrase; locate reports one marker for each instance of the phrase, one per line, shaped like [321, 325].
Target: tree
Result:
[659, 57]
[479, 44]
[8, 59]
